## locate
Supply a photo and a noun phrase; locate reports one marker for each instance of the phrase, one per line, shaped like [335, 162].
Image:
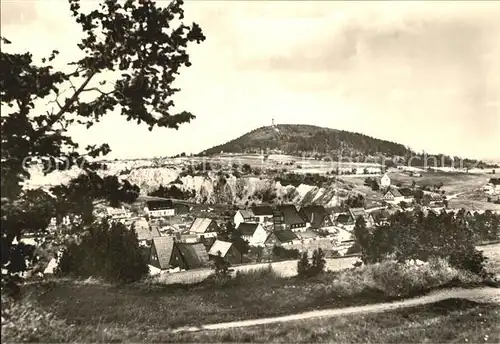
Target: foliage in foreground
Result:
[104, 313]
[416, 236]
[131, 53]
[413, 325]
[313, 268]
[107, 251]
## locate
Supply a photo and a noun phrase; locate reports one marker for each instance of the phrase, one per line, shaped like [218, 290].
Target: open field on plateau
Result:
[453, 182]
[278, 162]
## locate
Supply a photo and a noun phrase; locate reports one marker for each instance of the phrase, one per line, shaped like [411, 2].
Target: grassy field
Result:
[145, 311]
[493, 254]
[453, 182]
[248, 296]
[452, 320]
[472, 205]
[286, 268]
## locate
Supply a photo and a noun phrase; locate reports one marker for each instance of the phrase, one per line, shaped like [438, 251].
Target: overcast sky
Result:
[424, 74]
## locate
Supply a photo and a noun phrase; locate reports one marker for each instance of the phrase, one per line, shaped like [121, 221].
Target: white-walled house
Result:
[244, 216]
[263, 212]
[204, 228]
[159, 208]
[254, 233]
[385, 181]
[118, 213]
[393, 195]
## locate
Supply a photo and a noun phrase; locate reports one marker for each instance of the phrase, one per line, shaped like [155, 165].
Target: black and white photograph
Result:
[239, 171]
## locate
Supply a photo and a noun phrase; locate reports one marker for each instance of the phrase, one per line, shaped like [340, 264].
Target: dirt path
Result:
[484, 295]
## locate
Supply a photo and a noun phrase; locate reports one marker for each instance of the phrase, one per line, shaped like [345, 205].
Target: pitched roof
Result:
[285, 235]
[164, 247]
[406, 192]
[314, 214]
[357, 212]
[194, 255]
[344, 218]
[247, 229]
[144, 231]
[246, 213]
[220, 246]
[200, 225]
[291, 215]
[262, 210]
[159, 204]
[395, 192]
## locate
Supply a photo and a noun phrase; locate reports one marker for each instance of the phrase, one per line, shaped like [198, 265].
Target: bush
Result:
[109, 251]
[415, 236]
[307, 269]
[303, 265]
[394, 279]
[284, 254]
[27, 322]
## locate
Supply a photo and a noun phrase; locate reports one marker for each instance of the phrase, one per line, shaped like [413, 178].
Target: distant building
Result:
[357, 212]
[227, 251]
[244, 215]
[160, 208]
[166, 254]
[204, 227]
[385, 181]
[254, 233]
[186, 238]
[393, 195]
[118, 213]
[263, 212]
[290, 218]
[145, 232]
[282, 238]
[316, 217]
[345, 221]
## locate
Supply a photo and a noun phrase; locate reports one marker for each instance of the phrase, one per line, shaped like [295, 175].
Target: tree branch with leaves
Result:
[131, 54]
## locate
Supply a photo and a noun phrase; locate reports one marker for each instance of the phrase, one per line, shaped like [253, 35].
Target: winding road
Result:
[483, 295]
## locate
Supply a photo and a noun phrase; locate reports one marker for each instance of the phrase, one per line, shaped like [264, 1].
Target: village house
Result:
[287, 217]
[227, 251]
[263, 212]
[166, 254]
[186, 238]
[357, 212]
[393, 195]
[145, 232]
[345, 221]
[316, 217]
[118, 213]
[493, 187]
[282, 238]
[159, 208]
[254, 233]
[407, 194]
[244, 215]
[385, 181]
[194, 256]
[204, 227]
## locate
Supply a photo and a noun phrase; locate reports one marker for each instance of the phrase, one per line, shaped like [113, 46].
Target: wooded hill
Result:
[298, 139]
